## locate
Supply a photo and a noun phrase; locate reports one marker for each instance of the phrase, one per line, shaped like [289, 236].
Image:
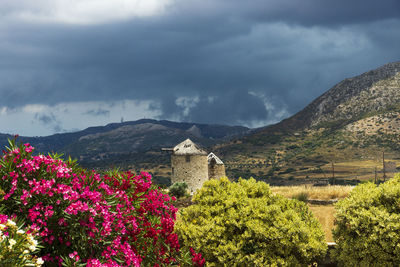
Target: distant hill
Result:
[102, 145]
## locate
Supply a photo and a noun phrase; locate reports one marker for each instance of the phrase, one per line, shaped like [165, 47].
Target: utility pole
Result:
[384, 169]
[375, 176]
[333, 173]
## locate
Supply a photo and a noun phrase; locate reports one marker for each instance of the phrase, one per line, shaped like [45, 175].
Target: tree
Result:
[244, 224]
[367, 229]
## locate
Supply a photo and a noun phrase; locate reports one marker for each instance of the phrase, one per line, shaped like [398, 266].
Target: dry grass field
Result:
[325, 214]
[313, 192]
[360, 169]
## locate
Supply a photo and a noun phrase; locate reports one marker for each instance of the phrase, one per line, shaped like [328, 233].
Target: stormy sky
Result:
[67, 65]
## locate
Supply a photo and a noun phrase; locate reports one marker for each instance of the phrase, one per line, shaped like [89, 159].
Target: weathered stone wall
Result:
[194, 173]
[216, 171]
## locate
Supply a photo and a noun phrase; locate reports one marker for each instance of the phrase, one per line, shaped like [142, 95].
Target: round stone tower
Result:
[189, 165]
[216, 168]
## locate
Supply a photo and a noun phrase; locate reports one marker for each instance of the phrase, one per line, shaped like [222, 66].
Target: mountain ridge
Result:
[353, 123]
[99, 143]
[325, 103]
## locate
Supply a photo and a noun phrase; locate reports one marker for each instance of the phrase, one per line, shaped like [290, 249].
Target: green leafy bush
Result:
[302, 196]
[178, 190]
[244, 224]
[367, 229]
[17, 247]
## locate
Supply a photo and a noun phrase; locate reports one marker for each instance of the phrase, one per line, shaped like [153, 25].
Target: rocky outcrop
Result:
[349, 100]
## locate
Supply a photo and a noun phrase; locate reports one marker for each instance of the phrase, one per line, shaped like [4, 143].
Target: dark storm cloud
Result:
[45, 119]
[339, 12]
[290, 51]
[50, 121]
[97, 112]
[303, 12]
[233, 107]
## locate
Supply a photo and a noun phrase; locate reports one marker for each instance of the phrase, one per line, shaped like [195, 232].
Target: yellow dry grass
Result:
[313, 192]
[359, 169]
[325, 215]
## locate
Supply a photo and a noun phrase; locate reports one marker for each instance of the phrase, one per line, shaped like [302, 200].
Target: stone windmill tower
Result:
[189, 165]
[216, 168]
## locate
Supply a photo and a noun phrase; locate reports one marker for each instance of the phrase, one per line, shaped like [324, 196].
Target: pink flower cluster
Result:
[197, 258]
[3, 218]
[110, 220]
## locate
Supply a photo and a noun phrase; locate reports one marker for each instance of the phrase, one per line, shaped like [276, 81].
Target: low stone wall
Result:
[322, 202]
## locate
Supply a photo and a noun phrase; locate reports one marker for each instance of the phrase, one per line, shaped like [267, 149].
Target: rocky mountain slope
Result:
[355, 121]
[351, 99]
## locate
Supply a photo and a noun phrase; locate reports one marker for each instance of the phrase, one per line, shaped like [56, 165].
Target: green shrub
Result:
[302, 196]
[367, 229]
[178, 190]
[244, 224]
[17, 247]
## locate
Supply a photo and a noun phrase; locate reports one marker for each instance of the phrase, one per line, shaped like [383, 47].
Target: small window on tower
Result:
[187, 158]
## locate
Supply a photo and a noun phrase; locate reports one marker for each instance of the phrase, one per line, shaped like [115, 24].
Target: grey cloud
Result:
[231, 108]
[303, 12]
[58, 129]
[50, 121]
[97, 112]
[291, 51]
[45, 119]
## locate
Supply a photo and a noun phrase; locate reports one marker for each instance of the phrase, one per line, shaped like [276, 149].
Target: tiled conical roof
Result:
[187, 147]
[213, 156]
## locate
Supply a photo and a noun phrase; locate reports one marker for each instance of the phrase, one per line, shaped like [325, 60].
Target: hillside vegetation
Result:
[344, 136]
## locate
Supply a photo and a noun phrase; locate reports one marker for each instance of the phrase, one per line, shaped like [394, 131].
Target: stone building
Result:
[216, 168]
[192, 165]
[189, 165]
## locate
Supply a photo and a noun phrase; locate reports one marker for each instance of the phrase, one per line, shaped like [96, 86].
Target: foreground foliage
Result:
[116, 220]
[17, 248]
[244, 224]
[367, 229]
[178, 189]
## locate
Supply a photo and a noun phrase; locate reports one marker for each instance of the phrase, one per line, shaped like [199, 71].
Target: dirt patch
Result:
[325, 215]
[183, 202]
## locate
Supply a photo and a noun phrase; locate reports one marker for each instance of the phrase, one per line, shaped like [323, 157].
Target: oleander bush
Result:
[245, 224]
[17, 247]
[80, 217]
[367, 222]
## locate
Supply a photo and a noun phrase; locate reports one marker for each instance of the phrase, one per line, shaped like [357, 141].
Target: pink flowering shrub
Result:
[118, 219]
